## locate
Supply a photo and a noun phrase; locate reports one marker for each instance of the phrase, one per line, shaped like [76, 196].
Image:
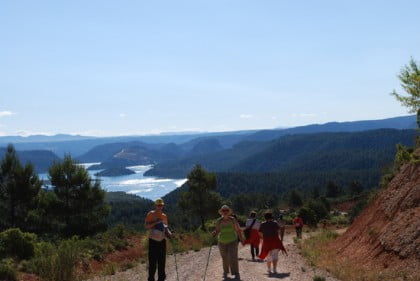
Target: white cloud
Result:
[123, 115]
[304, 115]
[27, 133]
[6, 113]
[246, 116]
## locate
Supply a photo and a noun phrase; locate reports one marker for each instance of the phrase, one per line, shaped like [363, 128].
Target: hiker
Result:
[252, 236]
[157, 223]
[282, 225]
[298, 222]
[228, 231]
[271, 242]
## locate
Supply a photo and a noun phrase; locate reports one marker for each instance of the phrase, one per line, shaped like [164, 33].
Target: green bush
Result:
[7, 270]
[17, 244]
[319, 209]
[339, 220]
[318, 278]
[57, 263]
[308, 216]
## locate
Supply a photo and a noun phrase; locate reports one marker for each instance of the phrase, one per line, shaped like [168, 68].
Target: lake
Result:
[138, 184]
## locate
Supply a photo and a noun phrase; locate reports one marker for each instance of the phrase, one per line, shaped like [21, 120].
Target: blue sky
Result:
[140, 67]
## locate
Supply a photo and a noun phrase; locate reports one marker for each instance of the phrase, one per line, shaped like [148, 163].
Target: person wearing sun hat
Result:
[157, 224]
[228, 231]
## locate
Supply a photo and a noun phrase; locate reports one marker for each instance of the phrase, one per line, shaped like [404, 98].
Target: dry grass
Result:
[316, 250]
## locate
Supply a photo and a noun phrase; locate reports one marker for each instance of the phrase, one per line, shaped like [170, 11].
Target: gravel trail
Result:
[191, 267]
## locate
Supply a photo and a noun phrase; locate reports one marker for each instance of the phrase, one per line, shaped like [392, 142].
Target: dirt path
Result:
[191, 267]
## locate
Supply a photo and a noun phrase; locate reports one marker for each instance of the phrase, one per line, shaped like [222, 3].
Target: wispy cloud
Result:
[6, 113]
[304, 115]
[246, 116]
[26, 133]
[123, 115]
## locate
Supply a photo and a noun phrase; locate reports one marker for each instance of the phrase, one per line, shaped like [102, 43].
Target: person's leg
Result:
[268, 266]
[275, 257]
[269, 261]
[161, 260]
[152, 260]
[233, 258]
[252, 252]
[224, 253]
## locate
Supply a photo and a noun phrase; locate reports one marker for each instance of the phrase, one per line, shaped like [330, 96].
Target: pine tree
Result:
[201, 199]
[332, 190]
[19, 186]
[295, 200]
[81, 205]
[410, 82]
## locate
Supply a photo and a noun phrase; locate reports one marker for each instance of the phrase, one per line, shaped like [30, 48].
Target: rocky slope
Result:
[386, 236]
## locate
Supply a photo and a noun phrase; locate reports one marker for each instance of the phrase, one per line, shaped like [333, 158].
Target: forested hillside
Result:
[323, 152]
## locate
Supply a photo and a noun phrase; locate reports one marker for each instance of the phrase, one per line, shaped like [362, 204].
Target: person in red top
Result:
[298, 222]
[157, 224]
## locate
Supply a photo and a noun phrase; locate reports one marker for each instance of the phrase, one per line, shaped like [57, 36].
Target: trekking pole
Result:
[208, 259]
[176, 264]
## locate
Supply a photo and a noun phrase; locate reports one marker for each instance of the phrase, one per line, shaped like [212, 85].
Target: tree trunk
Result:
[203, 223]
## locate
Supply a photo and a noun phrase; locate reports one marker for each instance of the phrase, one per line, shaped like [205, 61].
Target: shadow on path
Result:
[278, 275]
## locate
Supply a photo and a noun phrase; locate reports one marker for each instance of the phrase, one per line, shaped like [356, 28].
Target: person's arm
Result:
[217, 229]
[148, 224]
[260, 233]
[238, 229]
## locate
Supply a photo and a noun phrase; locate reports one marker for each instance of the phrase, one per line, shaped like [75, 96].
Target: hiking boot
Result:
[225, 275]
[237, 277]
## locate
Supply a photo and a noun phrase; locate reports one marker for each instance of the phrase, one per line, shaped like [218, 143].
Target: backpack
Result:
[247, 231]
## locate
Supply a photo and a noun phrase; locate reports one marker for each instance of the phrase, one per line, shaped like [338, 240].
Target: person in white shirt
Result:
[252, 226]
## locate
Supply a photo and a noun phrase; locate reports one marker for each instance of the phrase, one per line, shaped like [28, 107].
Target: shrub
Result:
[308, 216]
[318, 278]
[7, 271]
[339, 220]
[57, 263]
[17, 244]
[319, 209]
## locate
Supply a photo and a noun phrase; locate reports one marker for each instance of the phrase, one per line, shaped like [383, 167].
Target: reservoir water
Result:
[138, 184]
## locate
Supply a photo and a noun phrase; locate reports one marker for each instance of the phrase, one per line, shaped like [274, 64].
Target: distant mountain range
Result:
[173, 155]
[78, 145]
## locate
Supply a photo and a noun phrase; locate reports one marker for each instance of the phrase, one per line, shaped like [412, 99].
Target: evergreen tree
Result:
[81, 205]
[308, 216]
[19, 185]
[315, 193]
[318, 207]
[295, 200]
[410, 82]
[201, 200]
[332, 190]
[356, 187]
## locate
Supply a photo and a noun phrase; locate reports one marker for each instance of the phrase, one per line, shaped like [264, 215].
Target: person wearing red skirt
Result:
[271, 242]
